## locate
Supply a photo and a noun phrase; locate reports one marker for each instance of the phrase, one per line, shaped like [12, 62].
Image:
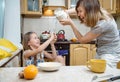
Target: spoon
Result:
[105, 76]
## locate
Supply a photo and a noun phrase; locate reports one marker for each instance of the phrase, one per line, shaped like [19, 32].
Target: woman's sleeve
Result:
[100, 28]
[97, 30]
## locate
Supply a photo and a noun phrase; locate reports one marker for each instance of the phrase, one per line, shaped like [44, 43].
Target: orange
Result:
[74, 39]
[30, 72]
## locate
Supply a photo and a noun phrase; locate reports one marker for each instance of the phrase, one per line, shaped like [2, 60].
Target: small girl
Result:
[34, 51]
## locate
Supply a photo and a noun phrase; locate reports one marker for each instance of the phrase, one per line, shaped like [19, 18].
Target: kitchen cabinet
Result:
[118, 6]
[49, 10]
[81, 53]
[62, 48]
[93, 51]
[31, 7]
[71, 3]
[112, 6]
[50, 5]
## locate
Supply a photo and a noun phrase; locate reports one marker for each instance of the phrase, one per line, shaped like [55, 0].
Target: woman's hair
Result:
[26, 39]
[93, 12]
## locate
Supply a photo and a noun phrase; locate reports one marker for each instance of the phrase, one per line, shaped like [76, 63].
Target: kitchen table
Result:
[64, 74]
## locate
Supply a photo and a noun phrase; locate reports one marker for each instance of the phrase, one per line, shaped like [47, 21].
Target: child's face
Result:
[34, 41]
[81, 12]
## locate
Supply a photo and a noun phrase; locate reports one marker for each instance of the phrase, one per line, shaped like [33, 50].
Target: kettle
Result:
[61, 35]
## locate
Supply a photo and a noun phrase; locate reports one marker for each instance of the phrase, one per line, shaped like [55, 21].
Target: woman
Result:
[103, 29]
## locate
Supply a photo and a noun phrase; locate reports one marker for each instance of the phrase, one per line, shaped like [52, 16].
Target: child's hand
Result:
[55, 39]
[51, 36]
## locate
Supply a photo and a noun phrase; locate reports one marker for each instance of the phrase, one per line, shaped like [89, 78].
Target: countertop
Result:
[64, 74]
[70, 42]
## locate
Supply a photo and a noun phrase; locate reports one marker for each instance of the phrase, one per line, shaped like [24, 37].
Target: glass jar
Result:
[60, 14]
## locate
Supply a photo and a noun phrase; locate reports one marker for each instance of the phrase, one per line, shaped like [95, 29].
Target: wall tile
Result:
[46, 23]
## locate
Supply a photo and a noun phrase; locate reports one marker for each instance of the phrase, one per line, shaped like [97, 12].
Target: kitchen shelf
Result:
[31, 8]
[54, 7]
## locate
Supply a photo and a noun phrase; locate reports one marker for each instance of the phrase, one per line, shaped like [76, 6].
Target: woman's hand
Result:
[67, 21]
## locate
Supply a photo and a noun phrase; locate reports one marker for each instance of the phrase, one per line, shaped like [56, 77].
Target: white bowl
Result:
[49, 66]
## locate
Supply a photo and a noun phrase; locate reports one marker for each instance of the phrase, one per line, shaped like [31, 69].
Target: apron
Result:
[112, 59]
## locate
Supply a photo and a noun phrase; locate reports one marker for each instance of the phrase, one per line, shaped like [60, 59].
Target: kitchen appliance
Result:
[45, 35]
[61, 35]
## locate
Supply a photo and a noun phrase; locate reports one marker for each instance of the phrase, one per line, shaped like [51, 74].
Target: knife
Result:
[111, 79]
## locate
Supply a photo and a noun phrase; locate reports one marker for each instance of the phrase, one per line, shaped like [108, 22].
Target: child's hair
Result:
[26, 39]
[93, 12]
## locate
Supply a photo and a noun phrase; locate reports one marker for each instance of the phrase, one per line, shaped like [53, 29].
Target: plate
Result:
[49, 66]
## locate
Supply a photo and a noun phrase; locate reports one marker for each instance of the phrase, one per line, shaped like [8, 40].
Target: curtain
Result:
[2, 6]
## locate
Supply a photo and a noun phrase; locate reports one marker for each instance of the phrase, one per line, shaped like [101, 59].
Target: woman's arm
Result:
[71, 11]
[82, 39]
[86, 38]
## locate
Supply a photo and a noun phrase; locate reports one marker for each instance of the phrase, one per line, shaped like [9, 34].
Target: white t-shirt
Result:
[109, 41]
